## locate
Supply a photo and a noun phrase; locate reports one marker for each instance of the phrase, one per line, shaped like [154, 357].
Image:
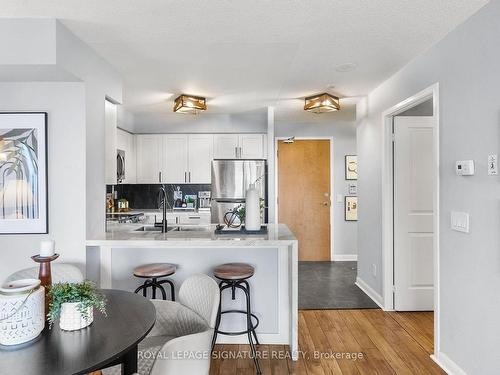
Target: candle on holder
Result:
[47, 248]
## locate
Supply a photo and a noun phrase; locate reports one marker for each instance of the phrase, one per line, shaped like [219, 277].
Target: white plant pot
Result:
[71, 319]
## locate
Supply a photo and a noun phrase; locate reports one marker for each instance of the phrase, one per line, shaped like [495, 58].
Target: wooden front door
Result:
[304, 195]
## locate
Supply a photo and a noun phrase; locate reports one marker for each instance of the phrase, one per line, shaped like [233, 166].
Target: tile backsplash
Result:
[145, 196]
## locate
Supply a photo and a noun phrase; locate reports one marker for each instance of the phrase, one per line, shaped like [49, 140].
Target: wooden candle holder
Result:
[45, 275]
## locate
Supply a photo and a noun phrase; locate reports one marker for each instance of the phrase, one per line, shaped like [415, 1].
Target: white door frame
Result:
[387, 201]
[276, 216]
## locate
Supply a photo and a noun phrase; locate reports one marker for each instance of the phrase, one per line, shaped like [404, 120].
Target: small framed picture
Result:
[351, 167]
[353, 188]
[351, 208]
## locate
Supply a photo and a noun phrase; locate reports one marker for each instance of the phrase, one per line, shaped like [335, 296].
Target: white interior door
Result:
[414, 171]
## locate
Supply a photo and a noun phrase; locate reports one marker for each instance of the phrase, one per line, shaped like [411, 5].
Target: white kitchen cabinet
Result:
[149, 158]
[175, 159]
[194, 218]
[225, 146]
[125, 141]
[252, 146]
[187, 158]
[200, 155]
[240, 146]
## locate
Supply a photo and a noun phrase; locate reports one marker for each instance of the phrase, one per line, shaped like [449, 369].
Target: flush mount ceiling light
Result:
[189, 104]
[321, 103]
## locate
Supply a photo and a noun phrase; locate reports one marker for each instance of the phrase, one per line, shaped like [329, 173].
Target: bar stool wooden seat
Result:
[152, 272]
[234, 276]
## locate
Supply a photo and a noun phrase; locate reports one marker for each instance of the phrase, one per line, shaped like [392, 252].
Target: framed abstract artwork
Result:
[351, 167]
[23, 172]
[351, 208]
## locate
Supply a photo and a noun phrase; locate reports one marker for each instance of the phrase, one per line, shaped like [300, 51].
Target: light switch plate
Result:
[492, 165]
[460, 221]
[340, 198]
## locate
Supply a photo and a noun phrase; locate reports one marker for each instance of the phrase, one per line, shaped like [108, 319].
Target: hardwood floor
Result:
[343, 342]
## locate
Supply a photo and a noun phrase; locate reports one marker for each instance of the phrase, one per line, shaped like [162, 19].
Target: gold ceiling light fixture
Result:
[322, 103]
[189, 104]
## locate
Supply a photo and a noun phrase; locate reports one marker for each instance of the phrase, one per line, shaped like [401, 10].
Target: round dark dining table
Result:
[108, 341]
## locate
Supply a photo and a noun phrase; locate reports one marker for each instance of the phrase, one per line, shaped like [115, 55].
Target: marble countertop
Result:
[126, 234]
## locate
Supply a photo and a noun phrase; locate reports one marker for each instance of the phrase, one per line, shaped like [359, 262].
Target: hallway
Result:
[331, 285]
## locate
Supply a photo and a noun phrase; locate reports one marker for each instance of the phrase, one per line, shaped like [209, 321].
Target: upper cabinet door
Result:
[149, 150]
[252, 146]
[175, 159]
[226, 146]
[200, 157]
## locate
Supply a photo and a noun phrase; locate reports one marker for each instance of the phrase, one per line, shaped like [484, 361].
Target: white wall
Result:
[65, 104]
[76, 128]
[101, 81]
[465, 64]
[344, 143]
[254, 122]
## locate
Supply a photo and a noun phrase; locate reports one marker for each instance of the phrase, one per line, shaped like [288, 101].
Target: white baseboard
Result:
[344, 257]
[450, 367]
[377, 298]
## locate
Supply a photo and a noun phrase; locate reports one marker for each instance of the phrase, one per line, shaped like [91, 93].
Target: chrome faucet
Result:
[162, 202]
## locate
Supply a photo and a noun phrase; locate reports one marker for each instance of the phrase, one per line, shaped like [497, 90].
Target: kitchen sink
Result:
[152, 228]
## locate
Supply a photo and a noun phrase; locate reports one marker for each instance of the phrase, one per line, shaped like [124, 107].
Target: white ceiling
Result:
[245, 55]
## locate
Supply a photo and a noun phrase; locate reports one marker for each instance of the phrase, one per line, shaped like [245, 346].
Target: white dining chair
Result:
[61, 273]
[184, 327]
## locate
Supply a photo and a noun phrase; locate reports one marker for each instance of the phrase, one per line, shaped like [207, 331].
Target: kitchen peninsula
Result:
[197, 249]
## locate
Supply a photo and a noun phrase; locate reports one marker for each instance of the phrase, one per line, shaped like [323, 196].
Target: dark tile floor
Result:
[330, 285]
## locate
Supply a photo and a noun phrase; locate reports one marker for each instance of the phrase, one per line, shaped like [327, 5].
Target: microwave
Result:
[120, 166]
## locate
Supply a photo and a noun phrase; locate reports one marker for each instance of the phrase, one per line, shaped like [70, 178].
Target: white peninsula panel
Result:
[111, 260]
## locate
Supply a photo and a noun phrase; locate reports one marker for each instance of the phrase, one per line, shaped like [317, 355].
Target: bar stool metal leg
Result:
[251, 330]
[252, 327]
[172, 289]
[217, 320]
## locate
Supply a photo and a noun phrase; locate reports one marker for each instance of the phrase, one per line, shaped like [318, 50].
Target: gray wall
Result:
[466, 65]
[344, 143]
[65, 104]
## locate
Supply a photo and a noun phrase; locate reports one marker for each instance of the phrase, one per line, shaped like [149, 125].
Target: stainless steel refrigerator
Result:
[230, 181]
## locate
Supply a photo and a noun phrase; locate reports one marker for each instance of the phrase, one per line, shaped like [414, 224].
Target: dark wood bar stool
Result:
[234, 276]
[152, 272]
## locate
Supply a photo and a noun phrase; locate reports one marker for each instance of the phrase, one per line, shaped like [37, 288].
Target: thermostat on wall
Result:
[465, 168]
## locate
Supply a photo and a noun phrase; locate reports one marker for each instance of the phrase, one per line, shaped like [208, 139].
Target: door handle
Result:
[159, 176]
[240, 151]
[236, 152]
[185, 176]
[189, 174]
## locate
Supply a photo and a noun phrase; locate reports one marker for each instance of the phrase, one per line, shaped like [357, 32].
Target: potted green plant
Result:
[73, 304]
